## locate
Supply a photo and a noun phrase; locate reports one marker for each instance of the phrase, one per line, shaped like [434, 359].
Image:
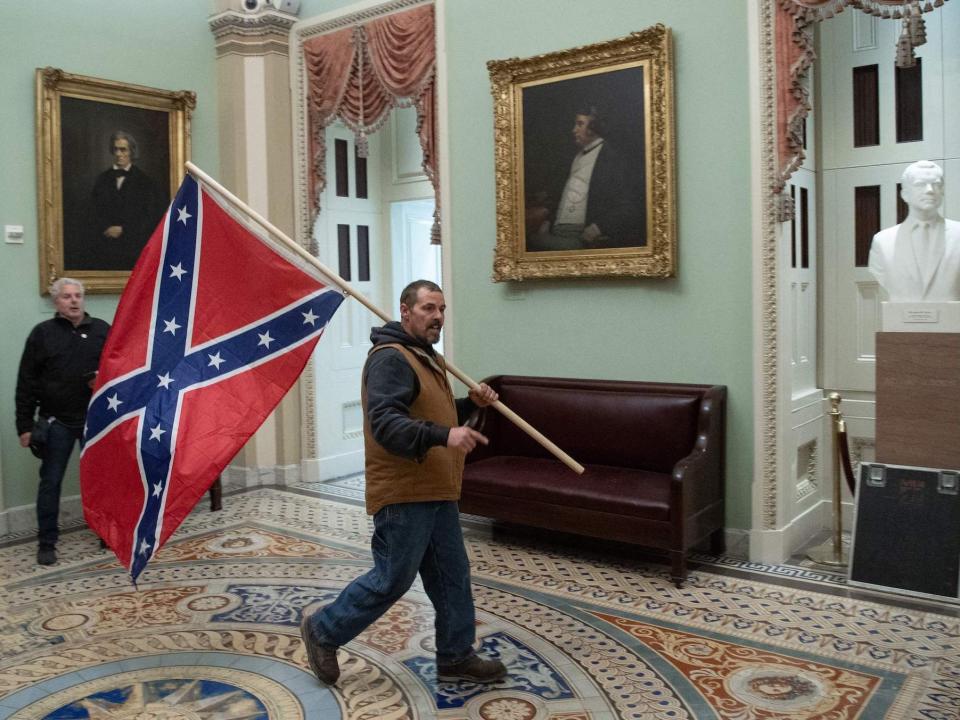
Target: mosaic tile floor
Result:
[799, 568]
[212, 633]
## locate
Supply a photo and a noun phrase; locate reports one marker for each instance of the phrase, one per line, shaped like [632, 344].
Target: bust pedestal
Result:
[906, 534]
[918, 398]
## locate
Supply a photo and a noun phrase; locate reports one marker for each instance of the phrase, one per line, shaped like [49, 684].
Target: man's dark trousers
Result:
[60, 440]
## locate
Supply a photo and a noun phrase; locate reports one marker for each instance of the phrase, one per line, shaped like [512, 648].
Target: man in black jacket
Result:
[57, 371]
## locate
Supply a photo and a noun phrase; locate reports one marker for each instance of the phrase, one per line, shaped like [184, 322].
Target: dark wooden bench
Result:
[653, 455]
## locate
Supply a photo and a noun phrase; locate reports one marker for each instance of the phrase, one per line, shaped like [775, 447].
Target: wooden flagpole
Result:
[363, 300]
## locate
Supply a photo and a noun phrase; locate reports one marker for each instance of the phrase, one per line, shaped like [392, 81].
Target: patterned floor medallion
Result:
[212, 632]
[181, 693]
[750, 683]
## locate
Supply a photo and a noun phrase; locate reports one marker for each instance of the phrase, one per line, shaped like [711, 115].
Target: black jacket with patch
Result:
[57, 363]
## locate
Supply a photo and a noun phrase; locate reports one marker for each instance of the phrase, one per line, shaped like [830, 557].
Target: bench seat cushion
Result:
[621, 491]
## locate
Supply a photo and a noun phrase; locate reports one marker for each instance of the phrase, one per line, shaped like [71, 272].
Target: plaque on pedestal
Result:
[918, 399]
[925, 317]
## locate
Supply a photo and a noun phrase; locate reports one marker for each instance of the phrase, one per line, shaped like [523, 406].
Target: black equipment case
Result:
[906, 531]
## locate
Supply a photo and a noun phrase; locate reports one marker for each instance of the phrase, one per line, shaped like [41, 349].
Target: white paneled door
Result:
[875, 120]
[850, 290]
[349, 240]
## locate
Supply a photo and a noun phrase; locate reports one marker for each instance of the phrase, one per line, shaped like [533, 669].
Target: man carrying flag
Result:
[414, 444]
[215, 325]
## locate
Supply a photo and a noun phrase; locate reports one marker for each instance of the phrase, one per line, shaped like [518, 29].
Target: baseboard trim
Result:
[22, 520]
[775, 547]
[329, 468]
[237, 477]
[737, 543]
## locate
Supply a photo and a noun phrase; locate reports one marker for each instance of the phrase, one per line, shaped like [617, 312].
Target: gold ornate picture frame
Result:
[560, 212]
[92, 223]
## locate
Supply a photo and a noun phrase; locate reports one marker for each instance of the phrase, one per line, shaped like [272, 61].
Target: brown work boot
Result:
[322, 658]
[474, 668]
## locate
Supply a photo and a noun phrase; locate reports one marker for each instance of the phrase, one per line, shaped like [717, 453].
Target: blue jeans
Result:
[408, 538]
[60, 440]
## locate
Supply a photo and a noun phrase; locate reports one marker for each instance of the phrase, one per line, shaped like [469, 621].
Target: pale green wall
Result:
[694, 328]
[158, 44]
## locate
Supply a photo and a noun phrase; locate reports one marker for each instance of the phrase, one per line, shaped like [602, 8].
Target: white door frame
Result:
[779, 418]
[299, 33]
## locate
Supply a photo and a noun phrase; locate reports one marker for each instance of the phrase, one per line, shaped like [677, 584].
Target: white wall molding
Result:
[299, 33]
[317, 469]
[23, 518]
[791, 458]
[765, 291]
[737, 543]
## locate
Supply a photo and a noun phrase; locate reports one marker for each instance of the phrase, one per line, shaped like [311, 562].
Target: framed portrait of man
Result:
[110, 156]
[585, 161]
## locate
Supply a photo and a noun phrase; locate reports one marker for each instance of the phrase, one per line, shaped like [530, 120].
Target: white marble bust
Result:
[919, 259]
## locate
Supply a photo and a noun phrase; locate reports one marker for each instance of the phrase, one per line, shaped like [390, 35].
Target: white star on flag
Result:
[157, 489]
[177, 271]
[215, 360]
[171, 326]
[114, 402]
[265, 339]
[309, 318]
[144, 546]
[156, 432]
[165, 380]
[183, 215]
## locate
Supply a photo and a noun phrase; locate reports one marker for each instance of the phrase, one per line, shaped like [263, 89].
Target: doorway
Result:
[375, 230]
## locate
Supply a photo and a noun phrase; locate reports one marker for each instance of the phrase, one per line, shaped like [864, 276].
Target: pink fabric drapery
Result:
[359, 74]
[794, 56]
[871, 6]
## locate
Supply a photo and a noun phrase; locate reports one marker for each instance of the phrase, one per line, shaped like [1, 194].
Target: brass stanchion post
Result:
[832, 551]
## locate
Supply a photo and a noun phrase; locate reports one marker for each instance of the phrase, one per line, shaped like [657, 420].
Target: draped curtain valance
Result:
[795, 55]
[359, 74]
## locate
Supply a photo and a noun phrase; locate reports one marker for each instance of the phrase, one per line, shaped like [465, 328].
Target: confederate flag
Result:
[215, 325]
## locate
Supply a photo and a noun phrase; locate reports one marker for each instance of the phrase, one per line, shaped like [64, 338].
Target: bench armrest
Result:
[697, 479]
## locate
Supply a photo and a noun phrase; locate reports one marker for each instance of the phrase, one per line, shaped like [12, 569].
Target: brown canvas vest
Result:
[393, 479]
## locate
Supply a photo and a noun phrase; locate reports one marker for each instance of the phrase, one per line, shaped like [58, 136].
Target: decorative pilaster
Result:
[258, 33]
[256, 163]
[766, 516]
